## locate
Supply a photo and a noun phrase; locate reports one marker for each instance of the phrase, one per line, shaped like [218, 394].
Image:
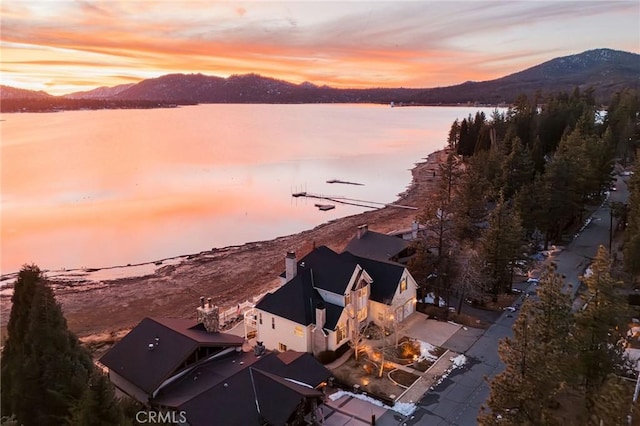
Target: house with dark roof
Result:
[189, 367]
[327, 297]
[245, 389]
[375, 245]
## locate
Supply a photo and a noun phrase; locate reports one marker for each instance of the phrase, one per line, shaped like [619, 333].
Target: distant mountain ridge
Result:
[8, 92]
[606, 71]
[103, 92]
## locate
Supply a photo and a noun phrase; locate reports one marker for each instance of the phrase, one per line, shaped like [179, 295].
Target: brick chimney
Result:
[362, 229]
[290, 266]
[209, 316]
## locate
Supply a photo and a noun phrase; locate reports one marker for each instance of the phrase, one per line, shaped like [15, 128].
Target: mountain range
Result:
[605, 71]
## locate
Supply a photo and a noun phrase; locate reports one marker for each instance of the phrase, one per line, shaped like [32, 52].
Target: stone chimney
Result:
[209, 316]
[362, 229]
[321, 315]
[290, 266]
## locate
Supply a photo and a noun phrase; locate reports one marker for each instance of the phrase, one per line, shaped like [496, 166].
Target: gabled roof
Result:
[157, 347]
[297, 300]
[203, 378]
[276, 397]
[331, 272]
[267, 382]
[374, 245]
[386, 277]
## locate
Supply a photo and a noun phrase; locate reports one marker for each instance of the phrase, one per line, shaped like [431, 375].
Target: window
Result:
[403, 284]
[340, 334]
[381, 317]
[273, 323]
[298, 331]
[363, 313]
[347, 299]
[282, 347]
[260, 317]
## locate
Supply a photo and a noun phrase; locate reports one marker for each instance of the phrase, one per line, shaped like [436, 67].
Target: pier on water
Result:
[347, 201]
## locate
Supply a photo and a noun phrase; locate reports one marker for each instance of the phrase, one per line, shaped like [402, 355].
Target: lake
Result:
[116, 187]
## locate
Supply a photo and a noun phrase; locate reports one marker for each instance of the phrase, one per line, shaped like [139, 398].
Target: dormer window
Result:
[403, 284]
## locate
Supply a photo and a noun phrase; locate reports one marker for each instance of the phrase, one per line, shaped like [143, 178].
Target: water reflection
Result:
[99, 188]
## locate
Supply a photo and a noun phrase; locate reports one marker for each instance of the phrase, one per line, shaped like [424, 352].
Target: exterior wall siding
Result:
[286, 332]
[401, 299]
[379, 312]
[342, 322]
[334, 299]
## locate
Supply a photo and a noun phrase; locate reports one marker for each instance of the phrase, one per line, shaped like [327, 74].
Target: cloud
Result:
[359, 43]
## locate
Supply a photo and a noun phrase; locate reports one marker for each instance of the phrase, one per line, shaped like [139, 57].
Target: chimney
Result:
[208, 315]
[362, 229]
[290, 266]
[414, 229]
[321, 315]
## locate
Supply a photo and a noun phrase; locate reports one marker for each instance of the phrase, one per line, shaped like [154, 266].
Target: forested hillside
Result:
[513, 184]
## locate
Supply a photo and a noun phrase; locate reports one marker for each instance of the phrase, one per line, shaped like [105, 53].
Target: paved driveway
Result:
[348, 410]
[428, 330]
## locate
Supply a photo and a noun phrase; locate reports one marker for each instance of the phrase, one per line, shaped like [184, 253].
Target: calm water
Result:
[112, 187]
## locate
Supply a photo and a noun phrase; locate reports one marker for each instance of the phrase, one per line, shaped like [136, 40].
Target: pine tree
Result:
[500, 247]
[613, 403]
[599, 328]
[438, 219]
[632, 231]
[454, 136]
[470, 202]
[14, 383]
[517, 169]
[98, 406]
[535, 359]
[519, 394]
[44, 369]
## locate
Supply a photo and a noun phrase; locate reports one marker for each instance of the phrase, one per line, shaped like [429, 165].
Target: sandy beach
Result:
[229, 275]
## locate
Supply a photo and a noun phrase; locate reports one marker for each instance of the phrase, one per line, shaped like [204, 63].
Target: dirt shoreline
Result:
[229, 275]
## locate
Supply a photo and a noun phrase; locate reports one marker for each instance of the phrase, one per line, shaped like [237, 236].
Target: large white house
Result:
[328, 296]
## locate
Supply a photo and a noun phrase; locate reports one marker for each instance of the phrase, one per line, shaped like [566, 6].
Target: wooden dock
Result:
[325, 207]
[349, 201]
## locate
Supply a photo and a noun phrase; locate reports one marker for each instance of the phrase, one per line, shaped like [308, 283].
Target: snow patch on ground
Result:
[586, 223]
[459, 361]
[425, 351]
[404, 408]
[456, 362]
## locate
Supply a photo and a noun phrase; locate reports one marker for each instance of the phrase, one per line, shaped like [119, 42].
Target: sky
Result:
[64, 46]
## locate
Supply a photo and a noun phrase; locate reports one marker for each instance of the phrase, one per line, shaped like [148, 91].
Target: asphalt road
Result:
[576, 257]
[457, 399]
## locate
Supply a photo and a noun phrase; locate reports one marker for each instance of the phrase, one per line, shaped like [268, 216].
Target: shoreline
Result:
[230, 275]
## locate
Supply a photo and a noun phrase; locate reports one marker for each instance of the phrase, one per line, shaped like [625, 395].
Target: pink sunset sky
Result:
[67, 46]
